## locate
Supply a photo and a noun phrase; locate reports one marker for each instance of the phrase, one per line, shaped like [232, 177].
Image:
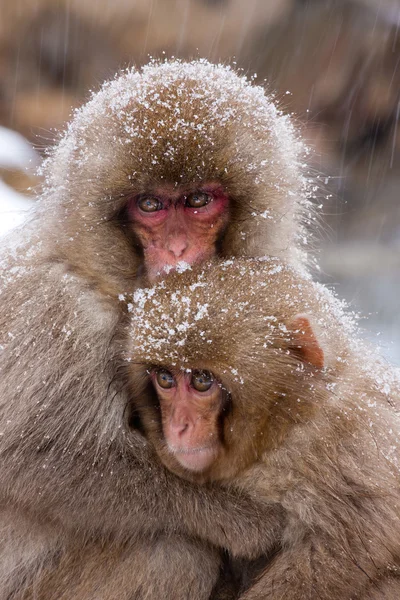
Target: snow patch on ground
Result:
[13, 208]
[17, 154]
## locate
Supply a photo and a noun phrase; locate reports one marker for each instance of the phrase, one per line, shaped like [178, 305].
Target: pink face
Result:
[178, 227]
[190, 407]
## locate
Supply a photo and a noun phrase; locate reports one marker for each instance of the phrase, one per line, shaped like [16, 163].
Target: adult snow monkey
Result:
[175, 163]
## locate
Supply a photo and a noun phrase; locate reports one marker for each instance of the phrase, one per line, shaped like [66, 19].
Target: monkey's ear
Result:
[305, 342]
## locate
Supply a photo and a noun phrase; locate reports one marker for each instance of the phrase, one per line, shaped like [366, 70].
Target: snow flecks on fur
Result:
[214, 86]
[167, 318]
[188, 318]
[18, 250]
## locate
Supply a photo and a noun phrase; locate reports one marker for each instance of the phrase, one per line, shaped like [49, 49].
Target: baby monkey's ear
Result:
[305, 341]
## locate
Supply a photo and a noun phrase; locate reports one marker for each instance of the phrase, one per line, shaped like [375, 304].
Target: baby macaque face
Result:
[191, 403]
[175, 225]
[201, 435]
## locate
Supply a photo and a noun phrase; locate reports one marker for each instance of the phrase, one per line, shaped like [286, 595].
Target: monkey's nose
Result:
[177, 245]
[181, 429]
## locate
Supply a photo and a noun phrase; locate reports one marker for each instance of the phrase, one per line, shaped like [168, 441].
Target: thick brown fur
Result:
[322, 443]
[76, 479]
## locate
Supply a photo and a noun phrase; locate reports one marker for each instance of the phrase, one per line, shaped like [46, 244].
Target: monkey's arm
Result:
[127, 498]
[311, 570]
[341, 534]
[65, 453]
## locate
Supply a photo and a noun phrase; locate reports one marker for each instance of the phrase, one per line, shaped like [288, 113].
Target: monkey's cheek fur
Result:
[195, 459]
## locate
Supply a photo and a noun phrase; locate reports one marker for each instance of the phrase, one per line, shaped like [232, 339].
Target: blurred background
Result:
[333, 63]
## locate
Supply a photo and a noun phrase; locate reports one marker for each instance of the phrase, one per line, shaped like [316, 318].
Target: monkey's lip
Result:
[194, 459]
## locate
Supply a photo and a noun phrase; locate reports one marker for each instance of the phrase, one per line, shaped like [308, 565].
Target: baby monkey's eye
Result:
[198, 200]
[202, 380]
[165, 379]
[149, 204]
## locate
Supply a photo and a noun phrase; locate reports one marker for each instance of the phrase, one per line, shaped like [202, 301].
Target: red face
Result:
[178, 227]
[190, 406]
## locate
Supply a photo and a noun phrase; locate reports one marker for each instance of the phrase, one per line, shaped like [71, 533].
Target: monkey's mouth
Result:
[195, 459]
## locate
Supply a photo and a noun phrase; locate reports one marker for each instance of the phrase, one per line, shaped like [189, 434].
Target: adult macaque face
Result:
[175, 225]
[175, 164]
[191, 403]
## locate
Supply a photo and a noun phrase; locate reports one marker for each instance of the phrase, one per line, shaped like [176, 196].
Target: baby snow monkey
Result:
[248, 373]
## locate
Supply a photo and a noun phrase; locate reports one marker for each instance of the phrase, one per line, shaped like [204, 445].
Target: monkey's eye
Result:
[198, 200]
[202, 380]
[149, 204]
[165, 379]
